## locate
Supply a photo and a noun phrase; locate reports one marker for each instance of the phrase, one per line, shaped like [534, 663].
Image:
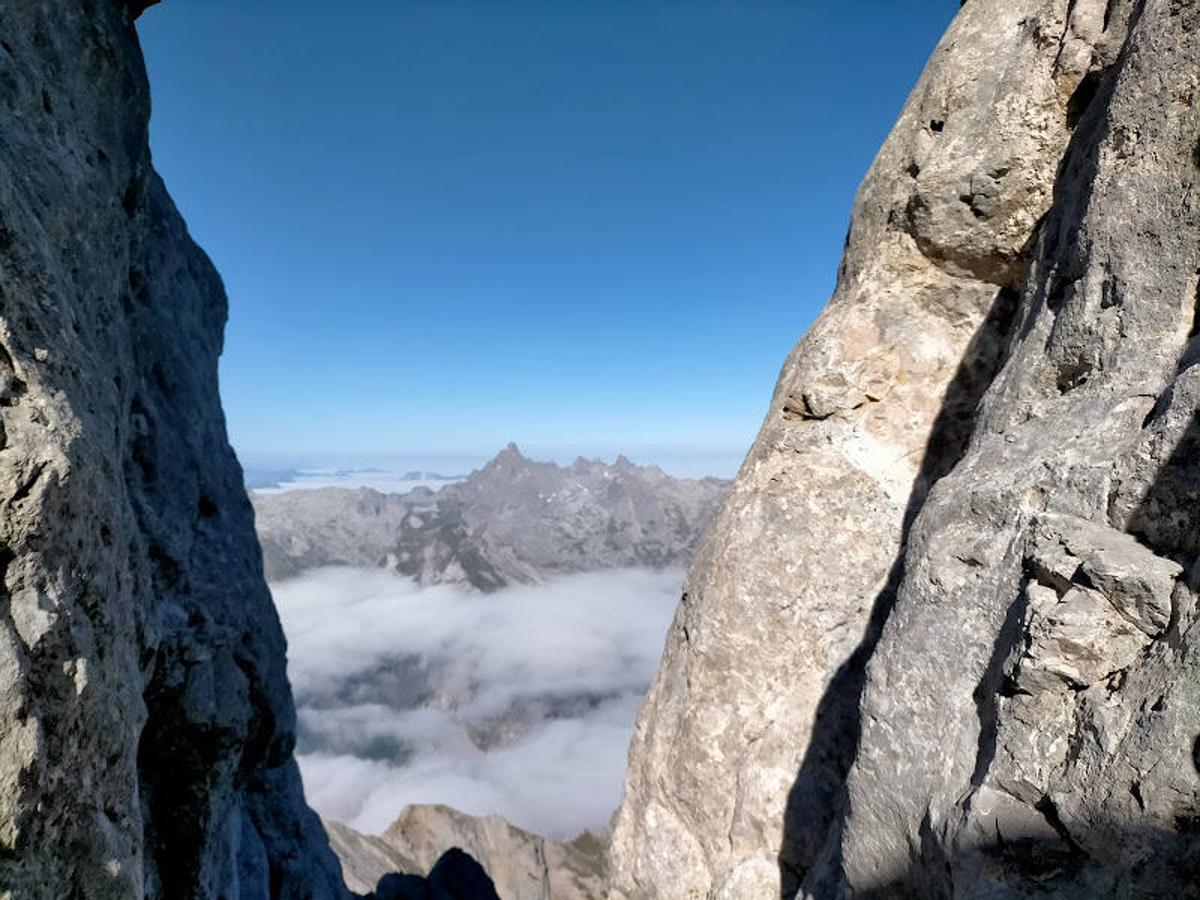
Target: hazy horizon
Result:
[678, 462]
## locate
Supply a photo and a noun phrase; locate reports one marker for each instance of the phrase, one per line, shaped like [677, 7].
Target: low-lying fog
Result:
[520, 702]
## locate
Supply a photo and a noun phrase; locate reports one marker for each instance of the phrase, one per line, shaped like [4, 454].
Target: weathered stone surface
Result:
[146, 725]
[1021, 716]
[1079, 638]
[1092, 417]
[522, 865]
[743, 744]
[1132, 577]
[513, 521]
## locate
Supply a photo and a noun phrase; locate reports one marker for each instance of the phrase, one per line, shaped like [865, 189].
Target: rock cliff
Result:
[523, 866]
[146, 725]
[942, 639]
[513, 521]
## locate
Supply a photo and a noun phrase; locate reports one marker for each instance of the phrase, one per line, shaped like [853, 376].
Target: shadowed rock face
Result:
[1032, 861]
[1044, 639]
[949, 604]
[146, 725]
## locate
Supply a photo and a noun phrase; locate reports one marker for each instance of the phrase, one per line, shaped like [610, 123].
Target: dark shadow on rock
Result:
[813, 817]
[401, 887]
[993, 684]
[455, 876]
[1040, 866]
[1168, 518]
[814, 798]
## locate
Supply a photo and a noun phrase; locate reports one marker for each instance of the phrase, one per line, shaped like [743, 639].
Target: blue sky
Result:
[584, 226]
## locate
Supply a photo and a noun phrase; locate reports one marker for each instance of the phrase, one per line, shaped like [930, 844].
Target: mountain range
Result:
[513, 521]
[942, 640]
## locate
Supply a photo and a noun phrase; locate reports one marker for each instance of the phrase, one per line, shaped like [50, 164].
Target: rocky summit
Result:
[513, 521]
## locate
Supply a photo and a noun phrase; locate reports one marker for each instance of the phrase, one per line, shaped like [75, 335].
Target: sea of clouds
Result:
[519, 703]
[385, 481]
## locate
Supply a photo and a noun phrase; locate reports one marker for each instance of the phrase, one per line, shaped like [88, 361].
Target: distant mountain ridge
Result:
[513, 521]
[523, 866]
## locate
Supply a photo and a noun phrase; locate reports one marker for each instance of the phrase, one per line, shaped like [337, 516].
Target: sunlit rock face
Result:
[941, 640]
[146, 726]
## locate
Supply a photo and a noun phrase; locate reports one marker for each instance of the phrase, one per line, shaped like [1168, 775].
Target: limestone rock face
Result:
[1033, 727]
[366, 858]
[522, 865]
[919, 622]
[146, 725]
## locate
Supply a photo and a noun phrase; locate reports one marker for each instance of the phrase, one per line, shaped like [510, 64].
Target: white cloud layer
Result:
[519, 703]
[382, 480]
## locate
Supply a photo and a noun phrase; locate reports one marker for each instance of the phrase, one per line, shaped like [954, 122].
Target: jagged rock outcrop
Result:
[514, 521]
[940, 640]
[523, 866]
[146, 725]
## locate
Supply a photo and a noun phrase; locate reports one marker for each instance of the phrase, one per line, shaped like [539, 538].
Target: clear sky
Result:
[584, 225]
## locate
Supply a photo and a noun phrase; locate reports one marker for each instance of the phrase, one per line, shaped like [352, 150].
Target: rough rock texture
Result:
[146, 725]
[1025, 233]
[514, 521]
[1012, 702]
[522, 865]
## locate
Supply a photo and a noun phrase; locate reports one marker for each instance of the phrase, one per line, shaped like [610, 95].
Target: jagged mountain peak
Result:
[510, 453]
[513, 520]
